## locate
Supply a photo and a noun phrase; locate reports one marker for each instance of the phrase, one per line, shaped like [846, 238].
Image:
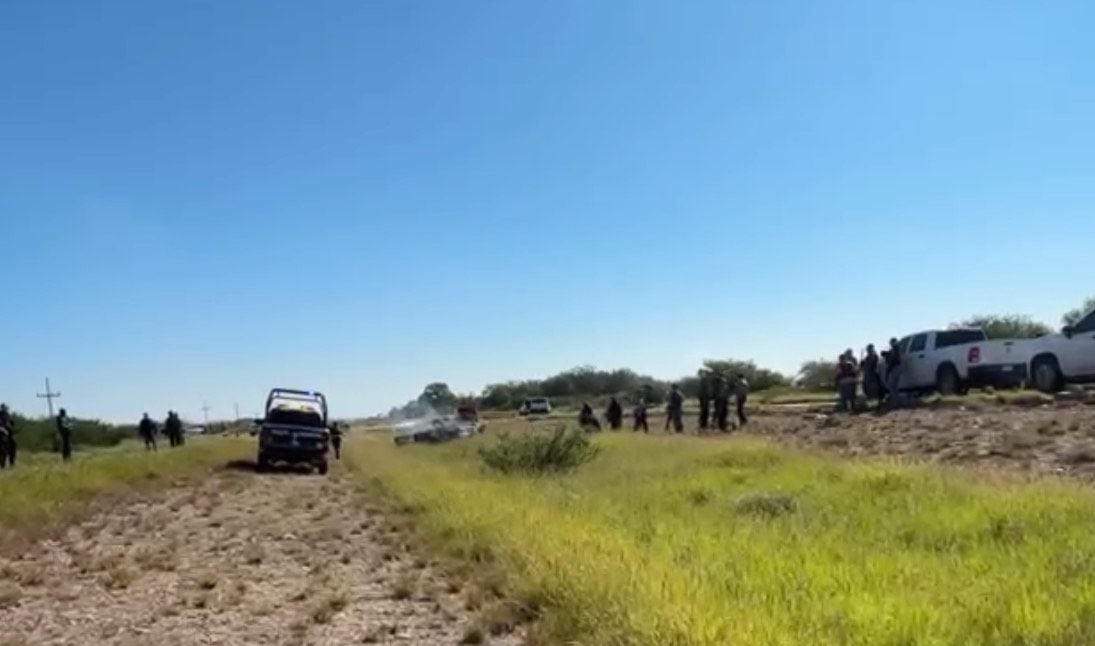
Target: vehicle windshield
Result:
[295, 415]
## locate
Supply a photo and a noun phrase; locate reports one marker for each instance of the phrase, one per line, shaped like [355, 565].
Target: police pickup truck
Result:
[955, 360]
[1068, 357]
[294, 430]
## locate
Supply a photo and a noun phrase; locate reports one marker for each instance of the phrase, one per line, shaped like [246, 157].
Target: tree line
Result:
[588, 384]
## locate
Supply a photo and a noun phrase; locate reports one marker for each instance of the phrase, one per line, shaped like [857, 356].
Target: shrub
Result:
[561, 450]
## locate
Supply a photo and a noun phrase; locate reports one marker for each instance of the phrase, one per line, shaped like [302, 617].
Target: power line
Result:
[49, 396]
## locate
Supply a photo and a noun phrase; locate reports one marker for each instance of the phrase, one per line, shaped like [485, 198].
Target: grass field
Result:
[670, 540]
[41, 491]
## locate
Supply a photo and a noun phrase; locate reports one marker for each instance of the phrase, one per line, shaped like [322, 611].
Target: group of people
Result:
[880, 374]
[172, 428]
[716, 393]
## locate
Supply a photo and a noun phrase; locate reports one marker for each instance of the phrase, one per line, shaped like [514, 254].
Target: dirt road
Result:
[238, 559]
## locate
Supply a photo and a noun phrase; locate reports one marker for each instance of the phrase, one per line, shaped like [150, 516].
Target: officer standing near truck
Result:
[336, 439]
[7, 437]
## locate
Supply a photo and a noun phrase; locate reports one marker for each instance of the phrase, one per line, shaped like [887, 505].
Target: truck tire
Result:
[947, 381]
[262, 465]
[322, 468]
[1045, 372]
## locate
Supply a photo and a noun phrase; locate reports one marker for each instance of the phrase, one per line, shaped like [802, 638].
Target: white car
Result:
[953, 361]
[535, 406]
[1068, 357]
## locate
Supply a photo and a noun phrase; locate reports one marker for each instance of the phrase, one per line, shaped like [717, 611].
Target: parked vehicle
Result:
[535, 406]
[294, 430]
[953, 361]
[1068, 357]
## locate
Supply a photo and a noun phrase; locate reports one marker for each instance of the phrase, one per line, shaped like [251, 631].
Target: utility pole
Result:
[237, 405]
[205, 411]
[49, 396]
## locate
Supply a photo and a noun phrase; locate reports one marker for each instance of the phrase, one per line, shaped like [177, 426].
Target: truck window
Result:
[918, 343]
[1086, 324]
[948, 338]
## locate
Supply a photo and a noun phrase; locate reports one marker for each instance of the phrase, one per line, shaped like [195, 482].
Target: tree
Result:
[438, 397]
[817, 375]
[758, 378]
[1007, 326]
[1073, 317]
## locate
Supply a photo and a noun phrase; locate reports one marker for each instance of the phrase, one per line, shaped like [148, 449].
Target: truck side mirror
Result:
[1068, 331]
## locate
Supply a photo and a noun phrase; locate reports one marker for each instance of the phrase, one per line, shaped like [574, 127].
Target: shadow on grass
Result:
[250, 466]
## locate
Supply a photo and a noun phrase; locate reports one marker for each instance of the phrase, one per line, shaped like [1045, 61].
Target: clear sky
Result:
[203, 199]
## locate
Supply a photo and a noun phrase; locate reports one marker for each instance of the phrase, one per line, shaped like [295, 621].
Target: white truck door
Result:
[919, 372]
[1078, 352]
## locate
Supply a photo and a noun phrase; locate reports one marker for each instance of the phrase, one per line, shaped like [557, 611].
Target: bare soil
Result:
[241, 558]
[1054, 437]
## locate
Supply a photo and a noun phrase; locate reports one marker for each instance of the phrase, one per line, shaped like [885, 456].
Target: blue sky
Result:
[203, 199]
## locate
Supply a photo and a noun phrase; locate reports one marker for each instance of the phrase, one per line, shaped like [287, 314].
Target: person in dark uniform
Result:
[172, 427]
[586, 419]
[741, 395]
[705, 399]
[614, 413]
[872, 376]
[7, 437]
[147, 429]
[336, 439]
[722, 404]
[674, 409]
[638, 415]
[64, 431]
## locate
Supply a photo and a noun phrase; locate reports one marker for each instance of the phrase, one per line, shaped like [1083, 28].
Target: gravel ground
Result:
[1057, 437]
[241, 558]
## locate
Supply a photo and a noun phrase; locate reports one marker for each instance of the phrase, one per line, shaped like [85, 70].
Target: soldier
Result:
[639, 416]
[64, 431]
[741, 394]
[892, 359]
[846, 382]
[586, 419]
[705, 399]
[722, 404]
[173, 428]
[147, 430]
[336, 439]
[614, 414]
[872, 378]
[7, 435]
[674, 409]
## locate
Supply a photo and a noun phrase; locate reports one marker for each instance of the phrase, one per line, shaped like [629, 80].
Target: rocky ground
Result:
[239, 559]
[1037, 435]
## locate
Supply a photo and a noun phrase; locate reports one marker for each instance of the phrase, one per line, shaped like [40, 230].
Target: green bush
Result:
[39, 434]
[538, 453]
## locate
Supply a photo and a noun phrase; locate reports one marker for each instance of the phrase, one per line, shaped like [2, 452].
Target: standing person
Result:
[674, 409]
[846, 382]
[147, 429]
[705, 399]
[7, 436]
[64, 431]
[336, 439]
[892, 359]
[638, 415]
[614, 414]
[741, 395]
[872, 379]
[172, 427]
[722, 404]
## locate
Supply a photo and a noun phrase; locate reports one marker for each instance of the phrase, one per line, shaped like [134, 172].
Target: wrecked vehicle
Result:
[294, 430]
[439, 428]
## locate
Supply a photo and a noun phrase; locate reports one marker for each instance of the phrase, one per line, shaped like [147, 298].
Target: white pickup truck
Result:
[1068, 357]
[953, 361]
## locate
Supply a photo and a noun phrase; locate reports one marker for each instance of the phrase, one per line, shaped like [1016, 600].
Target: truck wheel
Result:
[262, 465]
[947, 381]
[322, 468]
[1046, 373]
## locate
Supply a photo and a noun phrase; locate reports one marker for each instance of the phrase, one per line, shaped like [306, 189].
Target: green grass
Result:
[41, 492]
[683, 541]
